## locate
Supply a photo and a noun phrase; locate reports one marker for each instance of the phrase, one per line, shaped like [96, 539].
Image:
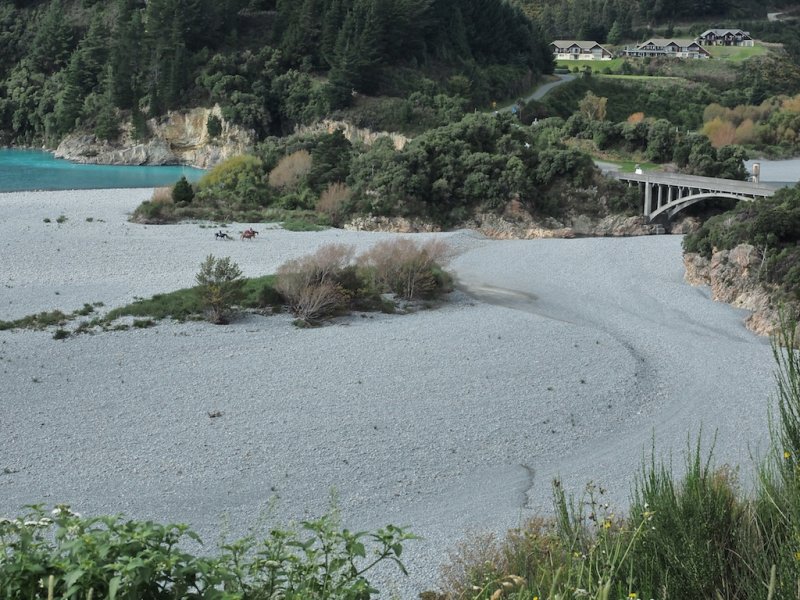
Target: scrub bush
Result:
[220, 281]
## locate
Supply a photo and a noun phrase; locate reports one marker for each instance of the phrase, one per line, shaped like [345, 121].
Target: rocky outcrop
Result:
[733, 278]
[352, 133]
[178, 138]
[390, 224]
[512, 225]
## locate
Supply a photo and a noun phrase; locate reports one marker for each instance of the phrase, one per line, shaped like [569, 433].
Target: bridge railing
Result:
[729, 186]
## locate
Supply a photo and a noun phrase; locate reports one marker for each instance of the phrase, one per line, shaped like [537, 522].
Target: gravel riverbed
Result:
[555, 358]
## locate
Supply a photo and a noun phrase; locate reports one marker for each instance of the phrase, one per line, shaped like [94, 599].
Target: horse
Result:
[221, 235]
[249, 234]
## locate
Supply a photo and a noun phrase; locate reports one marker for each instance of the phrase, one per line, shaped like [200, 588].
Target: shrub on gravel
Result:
[64, 555]
[220, 284]
[408, 269]
[312, 284]
[323, 284]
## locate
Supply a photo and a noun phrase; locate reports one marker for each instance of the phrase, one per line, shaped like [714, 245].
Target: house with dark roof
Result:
[676, 48]
[579, 50]
[725, 37]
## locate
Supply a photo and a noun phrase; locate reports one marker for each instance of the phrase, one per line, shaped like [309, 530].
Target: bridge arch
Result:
[666, 194]
[677, 205]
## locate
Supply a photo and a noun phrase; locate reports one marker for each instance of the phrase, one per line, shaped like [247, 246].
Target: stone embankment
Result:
[500, 228]
[178, 138]
[733, 276]
[517, 225]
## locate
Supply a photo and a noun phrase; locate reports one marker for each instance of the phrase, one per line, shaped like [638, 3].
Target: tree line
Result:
[270, 63]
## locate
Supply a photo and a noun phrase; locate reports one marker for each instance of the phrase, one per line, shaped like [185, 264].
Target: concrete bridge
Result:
[666, 194]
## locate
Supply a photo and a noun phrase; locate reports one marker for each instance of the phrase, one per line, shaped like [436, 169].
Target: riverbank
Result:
[556, 357]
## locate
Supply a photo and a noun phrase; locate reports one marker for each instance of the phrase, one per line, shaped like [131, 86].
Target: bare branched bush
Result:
[162, 195]
[310, 283]
[333, 201]
[311, 304]
[406, 268]
[290, 170]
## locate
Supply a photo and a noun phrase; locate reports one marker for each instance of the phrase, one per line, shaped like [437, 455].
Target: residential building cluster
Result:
[653, 47]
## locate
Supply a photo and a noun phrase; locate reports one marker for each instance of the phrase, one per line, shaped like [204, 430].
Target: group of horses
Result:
[247, 234]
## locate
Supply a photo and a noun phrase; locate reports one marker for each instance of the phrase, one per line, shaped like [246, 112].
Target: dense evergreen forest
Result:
[67, 64]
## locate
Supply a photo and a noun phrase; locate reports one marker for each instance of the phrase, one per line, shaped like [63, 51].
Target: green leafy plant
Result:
[65, 555]
[220, 281]
[213, 126]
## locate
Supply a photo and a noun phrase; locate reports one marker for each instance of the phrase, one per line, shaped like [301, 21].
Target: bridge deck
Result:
[730, 186]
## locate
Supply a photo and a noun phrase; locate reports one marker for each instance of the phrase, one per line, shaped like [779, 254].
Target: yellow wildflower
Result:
[797, 556]
[632, 595]
[606, 524]
[787, 455]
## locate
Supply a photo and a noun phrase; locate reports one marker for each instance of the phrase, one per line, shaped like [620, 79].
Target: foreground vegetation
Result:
[64, 555]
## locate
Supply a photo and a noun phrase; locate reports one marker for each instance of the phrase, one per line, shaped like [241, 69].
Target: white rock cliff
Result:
[178, 138]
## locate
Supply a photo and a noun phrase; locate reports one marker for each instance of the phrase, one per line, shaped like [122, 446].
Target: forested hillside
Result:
[67, 64]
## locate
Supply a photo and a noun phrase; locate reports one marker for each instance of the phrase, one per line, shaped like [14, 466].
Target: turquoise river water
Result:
[22, 170]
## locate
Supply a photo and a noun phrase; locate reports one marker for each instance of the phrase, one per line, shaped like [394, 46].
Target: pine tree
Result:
[94, 54]
[70, 100]
[330, 160]
[51, 46]
[106, 127]
[126, 56]
[615, 34]
[331, 25]
[182, 191]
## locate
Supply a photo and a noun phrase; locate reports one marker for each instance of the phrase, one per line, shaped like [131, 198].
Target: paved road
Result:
[540, 91]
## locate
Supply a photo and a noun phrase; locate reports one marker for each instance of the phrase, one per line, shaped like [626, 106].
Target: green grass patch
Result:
[179, 305]
[597, 66]
[736, 53]
[260, 292]
[302, 224]
[641, 77]
[186, 304]
[39, 321]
